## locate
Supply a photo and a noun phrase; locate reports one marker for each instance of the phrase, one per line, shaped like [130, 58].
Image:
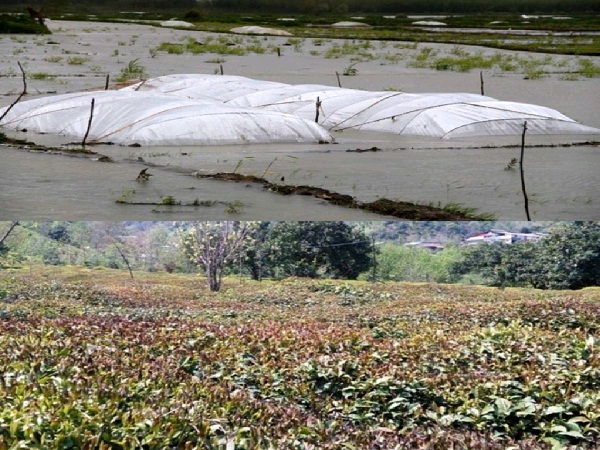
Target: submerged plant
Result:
[41, 76]
[587, 68]
[234, 207]
[77, 60]
[511, 164]
[350, 70]
[133, 70]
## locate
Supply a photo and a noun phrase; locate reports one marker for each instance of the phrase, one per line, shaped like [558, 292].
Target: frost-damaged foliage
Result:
[93, 359]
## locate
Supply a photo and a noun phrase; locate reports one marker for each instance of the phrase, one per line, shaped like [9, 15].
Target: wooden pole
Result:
[338, 78]
[106, 84]
[318, 105]
[522, 172]
[374, 274]
[221, 67]
[481, 81]
[24, 82]
[125, 259]
[89, 123]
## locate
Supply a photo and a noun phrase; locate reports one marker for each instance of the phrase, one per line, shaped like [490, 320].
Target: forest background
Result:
[567, 256]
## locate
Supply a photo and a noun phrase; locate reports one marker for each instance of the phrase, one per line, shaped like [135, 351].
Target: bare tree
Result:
[212, 245]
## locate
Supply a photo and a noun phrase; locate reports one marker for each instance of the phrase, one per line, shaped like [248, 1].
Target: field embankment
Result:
[93, 359]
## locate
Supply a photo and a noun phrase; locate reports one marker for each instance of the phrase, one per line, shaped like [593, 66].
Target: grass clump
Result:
[296, 43]
[463, 64]
[77, 60]
[532, 69]
[350, 48]
[41, 76]
[350, 71]
[132, 71]
[219, 47]
[587, 68]
[53, 59]
[169, 200]
[423, 59]
[171, 49]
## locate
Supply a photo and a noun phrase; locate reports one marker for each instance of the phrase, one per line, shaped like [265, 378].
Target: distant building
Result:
[504, 237]
[432, 246]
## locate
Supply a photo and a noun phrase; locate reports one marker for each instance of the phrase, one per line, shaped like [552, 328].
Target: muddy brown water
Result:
[563, 182]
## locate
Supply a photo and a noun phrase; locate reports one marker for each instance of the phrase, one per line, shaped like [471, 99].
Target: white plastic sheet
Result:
[441, 115]
[152, 118]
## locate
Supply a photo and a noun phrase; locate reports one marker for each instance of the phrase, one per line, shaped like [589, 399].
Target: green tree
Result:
[499, 264]
[400, 263]
[257, 249]
[316, 249]
[569, 257]
[482, 260]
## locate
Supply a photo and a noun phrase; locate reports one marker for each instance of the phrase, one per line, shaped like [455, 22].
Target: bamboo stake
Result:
[318, 105]
[526, 199]
[89, 123]
[481, 80]
[24, 82]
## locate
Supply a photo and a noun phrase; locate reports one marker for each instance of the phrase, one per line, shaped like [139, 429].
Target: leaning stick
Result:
[19, 97]
[522, 173]
[24, 82]
[89, 123]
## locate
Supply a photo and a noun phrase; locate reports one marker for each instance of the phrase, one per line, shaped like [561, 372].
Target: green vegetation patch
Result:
[20, 24]
[132, 71]
[91, 358]
[587, 68]
[77, 60]
[222, 46]
[41, 76]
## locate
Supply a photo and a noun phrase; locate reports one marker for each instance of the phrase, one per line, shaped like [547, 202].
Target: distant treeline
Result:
[90, 6]
[411, 6]
[323, 6]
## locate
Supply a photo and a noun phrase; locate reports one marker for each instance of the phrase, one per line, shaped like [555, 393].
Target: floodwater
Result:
[563, 182]
[43, 186]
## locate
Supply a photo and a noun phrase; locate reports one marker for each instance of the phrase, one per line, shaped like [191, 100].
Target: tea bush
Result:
[92, 359]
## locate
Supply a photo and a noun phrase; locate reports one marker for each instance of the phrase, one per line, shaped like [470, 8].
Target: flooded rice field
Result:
[562, 172]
